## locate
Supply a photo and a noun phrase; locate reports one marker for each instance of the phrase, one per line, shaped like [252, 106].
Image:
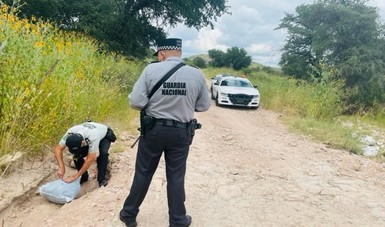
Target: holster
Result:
[193, 125]
[146, 122]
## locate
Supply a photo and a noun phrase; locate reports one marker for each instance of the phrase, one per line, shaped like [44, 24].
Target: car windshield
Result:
[235, 83]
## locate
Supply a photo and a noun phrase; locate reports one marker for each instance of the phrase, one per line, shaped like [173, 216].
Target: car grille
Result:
[240, 99]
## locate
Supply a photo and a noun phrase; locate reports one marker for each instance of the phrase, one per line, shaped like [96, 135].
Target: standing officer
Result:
[169, 128]
[86, 140]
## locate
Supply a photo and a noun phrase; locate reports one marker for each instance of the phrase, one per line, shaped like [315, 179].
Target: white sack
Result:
[59, 191]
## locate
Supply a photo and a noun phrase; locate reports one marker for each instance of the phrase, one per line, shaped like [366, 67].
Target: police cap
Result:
[169, 44]
[74, 141]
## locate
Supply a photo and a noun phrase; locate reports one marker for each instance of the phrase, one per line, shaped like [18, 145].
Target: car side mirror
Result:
[255, 86]
[216, 83]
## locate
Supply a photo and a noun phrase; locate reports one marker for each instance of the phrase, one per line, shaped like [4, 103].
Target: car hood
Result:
[239, 90]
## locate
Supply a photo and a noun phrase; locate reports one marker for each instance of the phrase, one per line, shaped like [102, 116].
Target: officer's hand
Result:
[70, 179]
[60, 173]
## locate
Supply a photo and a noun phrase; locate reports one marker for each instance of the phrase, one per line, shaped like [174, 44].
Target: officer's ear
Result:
[162, 55]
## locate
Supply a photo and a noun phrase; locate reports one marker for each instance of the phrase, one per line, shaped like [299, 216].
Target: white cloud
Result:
[208, 39]
[202, 41]
[265, 53]
[259, 48]
[251, 26]
[380, 4]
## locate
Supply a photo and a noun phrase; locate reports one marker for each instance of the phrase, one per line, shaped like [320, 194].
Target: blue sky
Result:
[251, 26]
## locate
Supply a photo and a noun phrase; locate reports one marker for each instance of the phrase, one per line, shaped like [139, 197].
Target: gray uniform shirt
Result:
[177, 98]
[92, 132]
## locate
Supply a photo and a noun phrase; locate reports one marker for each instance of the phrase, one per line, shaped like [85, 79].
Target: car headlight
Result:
[224, 94]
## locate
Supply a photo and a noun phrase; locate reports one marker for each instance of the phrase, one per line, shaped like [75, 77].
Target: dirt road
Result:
[244, 169]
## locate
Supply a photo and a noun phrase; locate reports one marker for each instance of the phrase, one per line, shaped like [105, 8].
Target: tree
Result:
[342, 35]
[237, 58]
[199, 62]
[218, 58]
[130, 27]
[234, 57]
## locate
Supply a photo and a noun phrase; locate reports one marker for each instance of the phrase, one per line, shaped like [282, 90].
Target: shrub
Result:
[51, 80]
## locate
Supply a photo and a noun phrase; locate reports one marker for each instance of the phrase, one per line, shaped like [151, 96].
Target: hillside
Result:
[254, 65]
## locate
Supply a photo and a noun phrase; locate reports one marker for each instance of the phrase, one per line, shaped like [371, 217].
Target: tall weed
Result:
[314, 100]
[51, 80]
[211, 72]
[290, 96]
[311, 109]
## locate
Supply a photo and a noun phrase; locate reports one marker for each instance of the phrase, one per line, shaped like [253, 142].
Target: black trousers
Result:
[175, 143]
[102, 159]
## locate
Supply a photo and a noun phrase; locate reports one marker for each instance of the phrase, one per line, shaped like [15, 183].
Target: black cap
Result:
[169, 44]
[74, 141]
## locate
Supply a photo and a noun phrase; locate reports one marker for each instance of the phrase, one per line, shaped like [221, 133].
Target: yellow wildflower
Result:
[39, 44]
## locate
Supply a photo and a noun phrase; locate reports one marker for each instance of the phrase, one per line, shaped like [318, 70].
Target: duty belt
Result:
[171, 123]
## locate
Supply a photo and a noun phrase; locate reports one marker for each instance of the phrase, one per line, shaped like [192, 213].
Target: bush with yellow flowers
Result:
[50, 80]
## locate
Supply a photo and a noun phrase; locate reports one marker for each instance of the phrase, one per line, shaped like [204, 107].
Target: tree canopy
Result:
[129, 27]
[199, 62]
[234, 57]
[340, 36]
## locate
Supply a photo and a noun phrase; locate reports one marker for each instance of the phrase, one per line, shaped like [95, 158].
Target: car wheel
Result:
[212, 95]
[217, 101]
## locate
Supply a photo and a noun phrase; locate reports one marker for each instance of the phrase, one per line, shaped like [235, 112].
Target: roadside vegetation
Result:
[52, 78]
[332, 84]
[311, 109]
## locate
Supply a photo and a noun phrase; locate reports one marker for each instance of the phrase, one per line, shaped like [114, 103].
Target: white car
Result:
[217, 79]
[234, 91]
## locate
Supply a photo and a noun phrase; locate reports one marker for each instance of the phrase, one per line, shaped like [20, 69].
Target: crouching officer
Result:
[88, 140]
[167, 126]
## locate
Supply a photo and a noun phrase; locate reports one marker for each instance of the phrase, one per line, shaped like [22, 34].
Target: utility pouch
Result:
[111, 135]
[146, 122]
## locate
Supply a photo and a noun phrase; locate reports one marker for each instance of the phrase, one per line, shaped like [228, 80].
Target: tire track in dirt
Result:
[244, 169]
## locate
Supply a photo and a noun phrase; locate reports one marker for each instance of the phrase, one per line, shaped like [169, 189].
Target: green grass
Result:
[313, 110]
[123, 119]
[333, 133]
[211, 72]
[51, 80]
